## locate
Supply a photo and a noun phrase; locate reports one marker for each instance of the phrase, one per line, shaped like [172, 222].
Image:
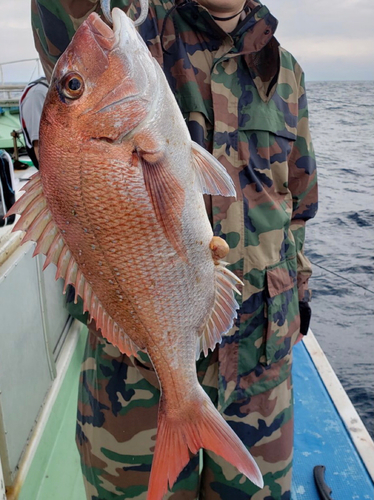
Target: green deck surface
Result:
[9, 121]
[55, 472]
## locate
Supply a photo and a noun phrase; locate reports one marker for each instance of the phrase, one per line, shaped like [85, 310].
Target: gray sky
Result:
[332, 40]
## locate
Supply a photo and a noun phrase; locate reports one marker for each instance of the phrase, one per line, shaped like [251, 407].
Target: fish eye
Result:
[72, 85]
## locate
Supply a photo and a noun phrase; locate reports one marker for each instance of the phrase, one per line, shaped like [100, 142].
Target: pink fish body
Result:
[119, 208]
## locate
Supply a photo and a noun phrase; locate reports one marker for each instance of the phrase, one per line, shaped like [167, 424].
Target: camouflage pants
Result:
[116, 431]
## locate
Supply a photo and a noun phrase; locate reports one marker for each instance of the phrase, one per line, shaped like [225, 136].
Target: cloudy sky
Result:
[332, 40]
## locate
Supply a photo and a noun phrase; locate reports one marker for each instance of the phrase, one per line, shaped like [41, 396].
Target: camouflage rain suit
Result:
[243, 98]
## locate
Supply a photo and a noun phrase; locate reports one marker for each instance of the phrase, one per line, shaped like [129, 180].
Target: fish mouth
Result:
[124, 31]
[122, 42]
[123, 65]
[123, 38]
[102, 33]
[119, 18]
[121, 34]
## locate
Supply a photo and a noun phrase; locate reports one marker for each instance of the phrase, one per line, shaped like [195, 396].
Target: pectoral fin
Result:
[212, 175]
[167, 197]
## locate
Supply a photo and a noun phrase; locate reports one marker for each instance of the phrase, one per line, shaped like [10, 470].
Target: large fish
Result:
[118, 207]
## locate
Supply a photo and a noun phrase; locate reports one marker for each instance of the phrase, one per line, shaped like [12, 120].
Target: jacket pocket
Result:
[282, 306]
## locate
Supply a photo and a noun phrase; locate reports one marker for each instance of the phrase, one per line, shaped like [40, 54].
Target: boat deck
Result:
[320, 439]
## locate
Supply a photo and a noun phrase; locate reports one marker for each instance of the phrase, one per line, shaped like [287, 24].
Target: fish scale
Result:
[136, 267]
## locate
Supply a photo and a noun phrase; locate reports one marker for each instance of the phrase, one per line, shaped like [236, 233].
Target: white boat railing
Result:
[37, 68]
[62, 365]
[10, 93]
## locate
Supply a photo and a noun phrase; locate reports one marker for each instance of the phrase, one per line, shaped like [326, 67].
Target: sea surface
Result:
[340, 240]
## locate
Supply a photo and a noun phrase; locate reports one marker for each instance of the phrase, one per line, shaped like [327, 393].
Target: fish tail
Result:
[203, 428]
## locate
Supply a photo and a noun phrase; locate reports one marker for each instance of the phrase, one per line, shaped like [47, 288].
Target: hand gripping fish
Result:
[118, 207]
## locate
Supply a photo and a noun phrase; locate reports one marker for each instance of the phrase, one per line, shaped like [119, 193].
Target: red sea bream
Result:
[118, 207]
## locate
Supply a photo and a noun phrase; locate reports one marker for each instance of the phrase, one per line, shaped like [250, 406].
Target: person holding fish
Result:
[30, 105]
[242, 97]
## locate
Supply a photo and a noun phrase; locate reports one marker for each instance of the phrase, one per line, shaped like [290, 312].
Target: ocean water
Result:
[340, 240]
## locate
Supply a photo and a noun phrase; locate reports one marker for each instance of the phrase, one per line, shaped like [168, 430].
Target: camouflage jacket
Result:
[243, 97]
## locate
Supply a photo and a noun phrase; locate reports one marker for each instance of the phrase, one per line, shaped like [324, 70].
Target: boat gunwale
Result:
[355, 427]
[28, 454]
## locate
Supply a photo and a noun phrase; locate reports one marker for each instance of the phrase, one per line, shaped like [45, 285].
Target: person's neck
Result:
[227, 25]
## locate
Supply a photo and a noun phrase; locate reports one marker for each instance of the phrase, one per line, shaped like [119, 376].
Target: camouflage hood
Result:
[253, 37]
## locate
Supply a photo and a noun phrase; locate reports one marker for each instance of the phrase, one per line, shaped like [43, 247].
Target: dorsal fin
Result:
[212, 175]
[224, 310]
[36, 220]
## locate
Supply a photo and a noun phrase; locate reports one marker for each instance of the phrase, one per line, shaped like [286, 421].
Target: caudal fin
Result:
[202, 428]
